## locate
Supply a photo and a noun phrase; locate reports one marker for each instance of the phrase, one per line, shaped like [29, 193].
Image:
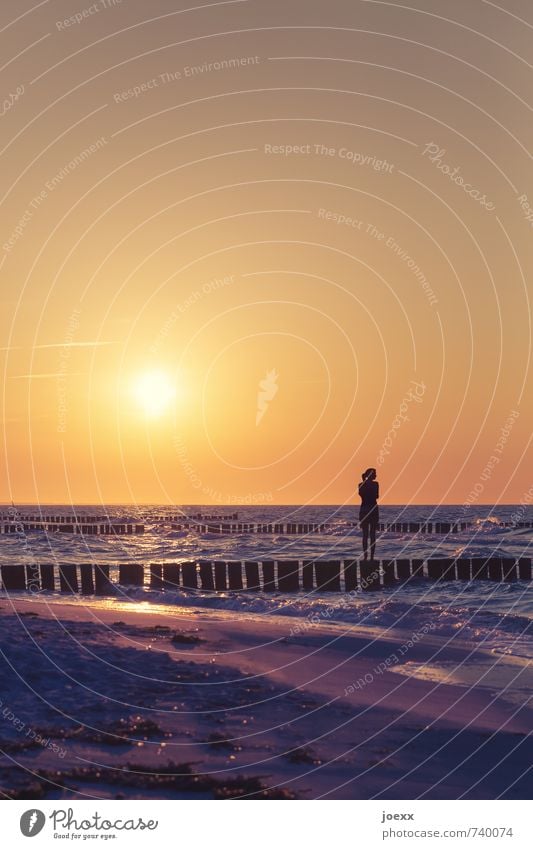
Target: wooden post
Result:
[288, 577]
[68, 578]
[307, 575]
[328, 575]
[47, 576]
[102, 584]
[252, 576]
[350, 575]
[480, 571]
[235, 575]
[441, 569]
[206, 575]
[269, 584]
[221, 583]
[524, 568]
[417, 568]
[495, 568]
[13, 576]
[509, 569]
[131, 573]
[404, 569]
[171, 576]
[463, 569]
[156, 576]
[388, 572]
[190, 576]
[33, 582]
[369, 571]
[87, 579]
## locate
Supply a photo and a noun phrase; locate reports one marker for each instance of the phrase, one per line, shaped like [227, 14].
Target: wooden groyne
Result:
[107, 529]
[225, 525]
[52, 518]
[286, 576]
[195, 517]
[82, 519]
[301, 528]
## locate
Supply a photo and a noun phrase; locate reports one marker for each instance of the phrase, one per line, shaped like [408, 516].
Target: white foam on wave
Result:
[485, 620]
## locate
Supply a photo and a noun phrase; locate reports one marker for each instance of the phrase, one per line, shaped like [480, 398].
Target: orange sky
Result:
[247, 283]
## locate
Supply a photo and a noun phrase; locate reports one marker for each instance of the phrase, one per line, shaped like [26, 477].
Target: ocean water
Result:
[160, 543]
[497, 616]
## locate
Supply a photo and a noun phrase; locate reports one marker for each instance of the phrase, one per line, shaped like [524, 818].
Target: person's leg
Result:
[373, 541]
[364, 528]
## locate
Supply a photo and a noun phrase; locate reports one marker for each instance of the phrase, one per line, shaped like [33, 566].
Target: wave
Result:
[482, 619]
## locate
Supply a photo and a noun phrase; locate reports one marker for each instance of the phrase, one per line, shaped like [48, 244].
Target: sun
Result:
[154, 391]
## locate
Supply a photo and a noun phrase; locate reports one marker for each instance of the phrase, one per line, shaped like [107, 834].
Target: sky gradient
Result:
[252, 248]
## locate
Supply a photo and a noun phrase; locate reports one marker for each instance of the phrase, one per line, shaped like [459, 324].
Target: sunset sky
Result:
[251, 249]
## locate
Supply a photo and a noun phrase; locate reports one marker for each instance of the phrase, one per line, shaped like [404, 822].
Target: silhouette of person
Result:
[369, 511]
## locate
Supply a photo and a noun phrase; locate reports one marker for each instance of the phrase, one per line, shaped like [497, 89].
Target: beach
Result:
[125, 698]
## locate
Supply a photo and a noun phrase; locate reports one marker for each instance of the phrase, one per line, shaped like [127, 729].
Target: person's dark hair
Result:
[370, 473]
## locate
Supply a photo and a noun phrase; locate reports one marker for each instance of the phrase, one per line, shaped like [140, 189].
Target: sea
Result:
[496, 616]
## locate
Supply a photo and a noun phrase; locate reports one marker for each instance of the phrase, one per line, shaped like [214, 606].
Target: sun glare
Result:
[154, 392]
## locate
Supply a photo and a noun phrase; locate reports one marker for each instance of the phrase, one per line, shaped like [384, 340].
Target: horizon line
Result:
[245, 504]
